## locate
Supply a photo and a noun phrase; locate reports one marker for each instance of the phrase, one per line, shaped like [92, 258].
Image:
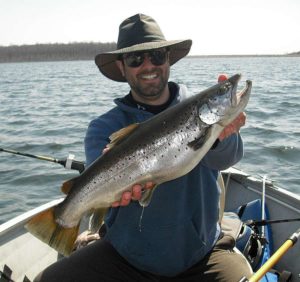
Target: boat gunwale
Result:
[24, 217]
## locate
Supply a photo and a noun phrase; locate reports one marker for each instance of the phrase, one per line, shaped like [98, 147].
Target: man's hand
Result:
[134, 194]
[235, 126]
[84, 239]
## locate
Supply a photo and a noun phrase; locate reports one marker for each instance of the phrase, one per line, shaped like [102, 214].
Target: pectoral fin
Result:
[147, 196]
[197, 143]
[200, 141]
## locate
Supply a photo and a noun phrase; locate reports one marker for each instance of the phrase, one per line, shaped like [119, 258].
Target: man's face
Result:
[147, 74]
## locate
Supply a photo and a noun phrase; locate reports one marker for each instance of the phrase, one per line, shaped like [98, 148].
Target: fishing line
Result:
[141, 218]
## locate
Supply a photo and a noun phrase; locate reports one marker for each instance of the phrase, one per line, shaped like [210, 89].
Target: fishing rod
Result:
[290, 242]
[266, 222]
[68, 163]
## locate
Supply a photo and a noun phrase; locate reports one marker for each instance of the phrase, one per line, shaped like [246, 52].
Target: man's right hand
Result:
[134, 194]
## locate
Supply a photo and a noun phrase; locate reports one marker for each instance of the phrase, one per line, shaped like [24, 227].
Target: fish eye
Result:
[224, 88]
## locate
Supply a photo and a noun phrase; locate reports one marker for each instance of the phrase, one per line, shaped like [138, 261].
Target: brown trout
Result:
[163, 148]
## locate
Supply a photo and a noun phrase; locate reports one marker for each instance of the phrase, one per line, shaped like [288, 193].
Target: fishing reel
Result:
[254, 250]
[252, 244]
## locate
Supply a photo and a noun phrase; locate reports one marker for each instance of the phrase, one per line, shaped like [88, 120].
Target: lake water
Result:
[45, 108]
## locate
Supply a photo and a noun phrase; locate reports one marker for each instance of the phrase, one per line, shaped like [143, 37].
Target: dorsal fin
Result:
[119, 135]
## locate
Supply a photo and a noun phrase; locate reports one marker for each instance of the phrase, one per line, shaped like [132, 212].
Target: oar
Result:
[68, 163]
[290, 242]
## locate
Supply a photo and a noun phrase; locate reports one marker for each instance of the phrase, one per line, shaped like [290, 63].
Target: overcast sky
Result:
[216, 27]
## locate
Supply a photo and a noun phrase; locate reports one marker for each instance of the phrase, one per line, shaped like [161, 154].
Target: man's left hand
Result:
[233, 127]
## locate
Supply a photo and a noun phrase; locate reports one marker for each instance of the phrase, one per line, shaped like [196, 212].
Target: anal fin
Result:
[96, 219]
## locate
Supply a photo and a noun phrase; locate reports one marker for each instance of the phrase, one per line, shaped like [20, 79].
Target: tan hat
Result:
[139, 33]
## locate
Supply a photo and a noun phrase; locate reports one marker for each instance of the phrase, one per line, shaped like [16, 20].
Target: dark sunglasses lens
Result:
[158, 58]
[134, 60]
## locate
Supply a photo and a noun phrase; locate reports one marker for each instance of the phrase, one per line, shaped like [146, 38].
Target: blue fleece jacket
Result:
[180, 226]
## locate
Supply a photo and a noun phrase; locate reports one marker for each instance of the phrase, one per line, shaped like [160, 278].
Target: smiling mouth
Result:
[149, 76]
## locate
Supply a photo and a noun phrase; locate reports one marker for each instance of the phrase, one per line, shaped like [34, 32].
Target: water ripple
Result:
[45, 108]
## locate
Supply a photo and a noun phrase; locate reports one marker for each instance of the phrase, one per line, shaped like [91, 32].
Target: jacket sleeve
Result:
[96, 138]
[99, 131]
[226, 154]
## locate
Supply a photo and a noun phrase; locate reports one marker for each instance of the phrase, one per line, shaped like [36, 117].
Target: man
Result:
[178, 238]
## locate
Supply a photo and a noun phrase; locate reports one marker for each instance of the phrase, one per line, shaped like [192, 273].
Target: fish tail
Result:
[44, 227]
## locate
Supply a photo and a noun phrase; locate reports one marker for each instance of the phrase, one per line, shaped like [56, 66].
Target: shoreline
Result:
[87, 51]
[187, 57]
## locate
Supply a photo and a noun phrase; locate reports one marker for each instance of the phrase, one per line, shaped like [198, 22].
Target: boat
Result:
[22, 256]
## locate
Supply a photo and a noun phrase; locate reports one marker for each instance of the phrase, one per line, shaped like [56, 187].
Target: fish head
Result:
[223, 103]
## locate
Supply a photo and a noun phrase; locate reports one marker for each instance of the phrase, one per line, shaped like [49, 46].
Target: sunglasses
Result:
[136, 59]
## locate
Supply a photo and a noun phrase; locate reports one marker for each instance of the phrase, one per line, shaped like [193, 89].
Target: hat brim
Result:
[106, 61]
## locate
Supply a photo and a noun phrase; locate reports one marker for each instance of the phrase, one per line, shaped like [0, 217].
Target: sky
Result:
[216, 27]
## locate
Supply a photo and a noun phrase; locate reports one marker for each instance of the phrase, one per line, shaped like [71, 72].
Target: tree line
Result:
[53, 52]
[63, 52]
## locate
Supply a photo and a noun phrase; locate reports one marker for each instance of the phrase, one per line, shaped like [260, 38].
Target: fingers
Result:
[227, 131]
[85, 238]
[222, 77]
[134, 194]
[149, 185]
[233, 127]
[125, 200]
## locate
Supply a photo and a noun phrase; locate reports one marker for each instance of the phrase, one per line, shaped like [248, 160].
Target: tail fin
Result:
[44, 227]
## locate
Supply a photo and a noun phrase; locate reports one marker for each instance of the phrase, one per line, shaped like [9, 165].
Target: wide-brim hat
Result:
[139, 33]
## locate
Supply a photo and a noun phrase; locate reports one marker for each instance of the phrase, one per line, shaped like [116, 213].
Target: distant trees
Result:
[67, 52]
[295, 54]
[54, 52]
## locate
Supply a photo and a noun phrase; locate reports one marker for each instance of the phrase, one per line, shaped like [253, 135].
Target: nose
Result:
[147, 61]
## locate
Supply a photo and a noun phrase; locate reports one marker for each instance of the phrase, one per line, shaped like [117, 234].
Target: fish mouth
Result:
[238, 97]
[243, 95]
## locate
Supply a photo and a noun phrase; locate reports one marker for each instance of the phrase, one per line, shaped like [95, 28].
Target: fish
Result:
[162, 148]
